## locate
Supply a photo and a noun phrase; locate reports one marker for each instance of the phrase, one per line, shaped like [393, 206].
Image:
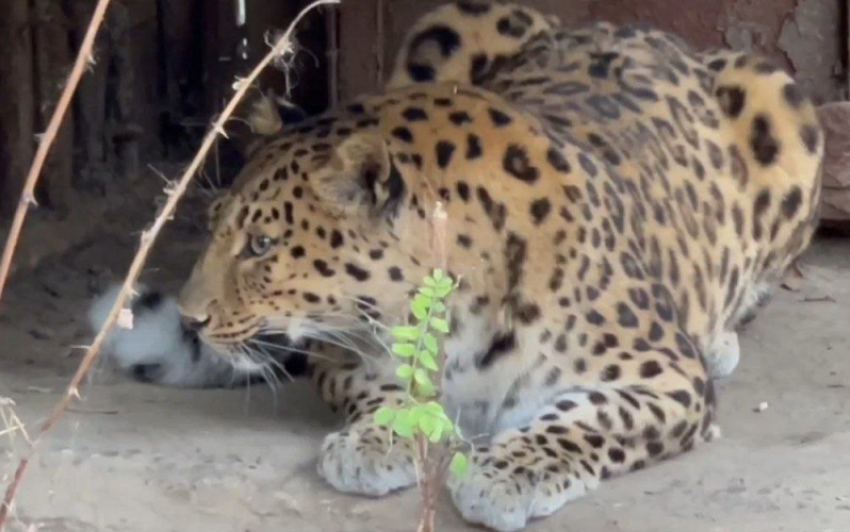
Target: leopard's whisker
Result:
[269, 359]
[311, 354]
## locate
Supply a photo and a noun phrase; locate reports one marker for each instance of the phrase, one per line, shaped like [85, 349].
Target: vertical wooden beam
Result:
[211, 20]
[17, 106]
[90, 102]
[52, 59]
[358, 70]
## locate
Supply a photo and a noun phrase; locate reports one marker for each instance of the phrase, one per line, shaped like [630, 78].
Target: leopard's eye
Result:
[259, 245]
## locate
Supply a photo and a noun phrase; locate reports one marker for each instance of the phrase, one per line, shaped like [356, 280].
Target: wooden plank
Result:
[358, 67]
[17, 109]
[90, 101]
[52, 60]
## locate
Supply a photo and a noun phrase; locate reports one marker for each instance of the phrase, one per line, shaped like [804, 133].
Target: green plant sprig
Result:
[418, 347]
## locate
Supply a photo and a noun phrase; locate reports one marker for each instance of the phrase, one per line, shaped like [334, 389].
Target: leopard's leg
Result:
[663, 408]
[362, 458]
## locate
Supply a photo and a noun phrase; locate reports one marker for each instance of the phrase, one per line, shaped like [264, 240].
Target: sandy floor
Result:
[139, 458]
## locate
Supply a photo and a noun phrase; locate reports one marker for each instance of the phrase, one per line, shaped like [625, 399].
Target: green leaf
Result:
[440, 325]
[402, 424]
[431, 343]
[384, 416]
[427, 291]
[438, 307]
[422, 378]
[417, 413]
[438, 274]
[427, 360]
[435, 434]
[406, 333]
[404, 372]
[434, 408]
[421, 299]
[459, 464]
[404, 350]
[429, 423]
[443, 291]
[419, 309]
[426, 390]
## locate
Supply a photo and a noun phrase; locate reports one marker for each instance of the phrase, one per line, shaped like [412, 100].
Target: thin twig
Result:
[441, 221]
[84, 58]
[11, 423]
[822, 299]
[147, 240]
[426, 486]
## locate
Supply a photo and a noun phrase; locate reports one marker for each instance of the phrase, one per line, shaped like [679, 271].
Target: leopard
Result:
[613, 206]
[163, 351]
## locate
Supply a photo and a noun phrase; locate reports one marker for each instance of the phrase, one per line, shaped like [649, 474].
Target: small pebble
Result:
[762, 406]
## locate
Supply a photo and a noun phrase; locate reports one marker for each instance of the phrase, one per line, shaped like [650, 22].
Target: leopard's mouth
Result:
[245, 351]
[228, 339]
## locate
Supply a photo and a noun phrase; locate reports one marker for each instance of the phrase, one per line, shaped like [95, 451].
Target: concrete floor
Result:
[138, 458]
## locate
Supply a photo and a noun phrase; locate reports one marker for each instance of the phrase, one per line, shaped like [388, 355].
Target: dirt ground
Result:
[139, 458]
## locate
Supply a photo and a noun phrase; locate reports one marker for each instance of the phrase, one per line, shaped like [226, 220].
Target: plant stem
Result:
[429, 503]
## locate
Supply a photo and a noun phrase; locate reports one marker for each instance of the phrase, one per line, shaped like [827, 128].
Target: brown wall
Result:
[162, 69]
[807, 36]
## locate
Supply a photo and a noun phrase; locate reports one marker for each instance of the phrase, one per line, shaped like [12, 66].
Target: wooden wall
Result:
[807, 36]
[162, 69]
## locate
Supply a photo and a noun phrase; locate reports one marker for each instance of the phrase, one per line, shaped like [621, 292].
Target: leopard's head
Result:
[306, 243]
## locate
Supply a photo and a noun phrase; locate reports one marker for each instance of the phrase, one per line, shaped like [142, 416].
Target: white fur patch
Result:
[157, 350]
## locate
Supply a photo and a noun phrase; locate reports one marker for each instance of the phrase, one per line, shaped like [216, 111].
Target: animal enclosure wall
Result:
[160, 72]
[162, 69]
[806, 36]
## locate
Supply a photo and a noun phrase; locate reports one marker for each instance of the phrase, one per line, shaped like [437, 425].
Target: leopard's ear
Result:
[359, 177]
[216, 210]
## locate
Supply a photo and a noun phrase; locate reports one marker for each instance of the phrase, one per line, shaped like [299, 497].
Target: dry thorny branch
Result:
[174, 193]
[10, 424]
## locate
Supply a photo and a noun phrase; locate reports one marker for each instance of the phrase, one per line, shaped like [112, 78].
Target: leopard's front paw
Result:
[500, 493]
[362, 460]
